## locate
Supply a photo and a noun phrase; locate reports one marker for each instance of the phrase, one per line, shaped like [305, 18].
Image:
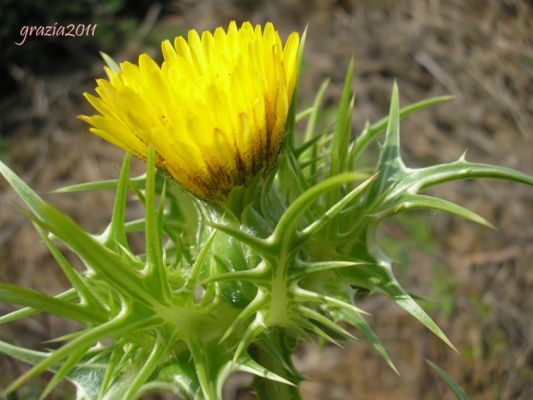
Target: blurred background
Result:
[481, 280]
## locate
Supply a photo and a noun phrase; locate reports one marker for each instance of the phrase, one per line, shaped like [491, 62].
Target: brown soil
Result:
[478, 51]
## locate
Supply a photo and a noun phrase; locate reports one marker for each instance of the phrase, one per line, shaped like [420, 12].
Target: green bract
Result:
[234, 287]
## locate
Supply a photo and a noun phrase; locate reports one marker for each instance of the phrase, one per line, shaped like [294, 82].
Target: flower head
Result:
[215, 111]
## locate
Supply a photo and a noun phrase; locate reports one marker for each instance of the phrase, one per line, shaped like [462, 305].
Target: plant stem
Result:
[277, 360]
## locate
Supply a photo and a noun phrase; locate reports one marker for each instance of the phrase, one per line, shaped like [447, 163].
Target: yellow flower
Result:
[214, 112]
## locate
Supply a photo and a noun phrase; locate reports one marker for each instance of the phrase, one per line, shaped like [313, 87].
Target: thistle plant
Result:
[257, 236]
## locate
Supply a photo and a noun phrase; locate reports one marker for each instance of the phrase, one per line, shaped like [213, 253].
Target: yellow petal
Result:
[214, 111]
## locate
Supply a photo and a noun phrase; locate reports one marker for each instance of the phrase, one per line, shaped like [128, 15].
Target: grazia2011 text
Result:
[55, 30]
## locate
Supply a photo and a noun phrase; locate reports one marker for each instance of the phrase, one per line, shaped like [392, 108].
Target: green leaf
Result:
[318, 140]
[110, 266]
[67, 366]
[404, 300]
[178, 377]
[117, 232]
[156, 356]
[258, 244]
[320, 266]
[301, 328]
[256, 327]
[110, 371]
[461, 169]
[341, 135]
[457, 390]
[313, 297]
[303, 114]
[389, 163]
[110, 184]
[333, 211]
[291, 176]
[311, 123]
[407, 202]
[288, 223]
[115, 269]
[108, 329]
[246, 364]
[72, 275]
[371, 132]
[69, 296]
[386, 283]
[86, 376]
[253, 307]
[200, 260]
[321, 319]
[26, 297]
[311, 142]
[358, 321]
[203, 371]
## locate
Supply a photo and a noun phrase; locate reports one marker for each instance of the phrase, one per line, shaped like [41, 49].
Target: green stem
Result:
[279, 300]
[267, 389]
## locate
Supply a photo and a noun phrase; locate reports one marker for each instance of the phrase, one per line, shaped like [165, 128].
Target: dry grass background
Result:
[478, 51]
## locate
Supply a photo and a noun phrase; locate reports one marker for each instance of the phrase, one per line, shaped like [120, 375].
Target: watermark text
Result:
[56, 30]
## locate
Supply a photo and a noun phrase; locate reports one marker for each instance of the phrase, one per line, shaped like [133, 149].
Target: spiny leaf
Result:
[320, 266]
[461, 169]
[311, 123]
[389, 286]
[254, 306]
[246, 364]
[257, 274]
[110, 371]
[309, 141]
[70, 296]
[303, 295]
[160, 346]
[109, 184]
[26, 297]
[106, 263]
[261, 245]
[371, 132]
[69, 364]
[311, 314]
[86, 376]
[334, 210]
[389, 160]
[72, 275]
[360, 323]
[288, 223]
[303, 326]
[254, 329]
[178, 377]
[291, 173]
[200, 259]
[417, 201]
[88, 338]
[117, 233]
[341, 135]
[404, 300]
[202, 367]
